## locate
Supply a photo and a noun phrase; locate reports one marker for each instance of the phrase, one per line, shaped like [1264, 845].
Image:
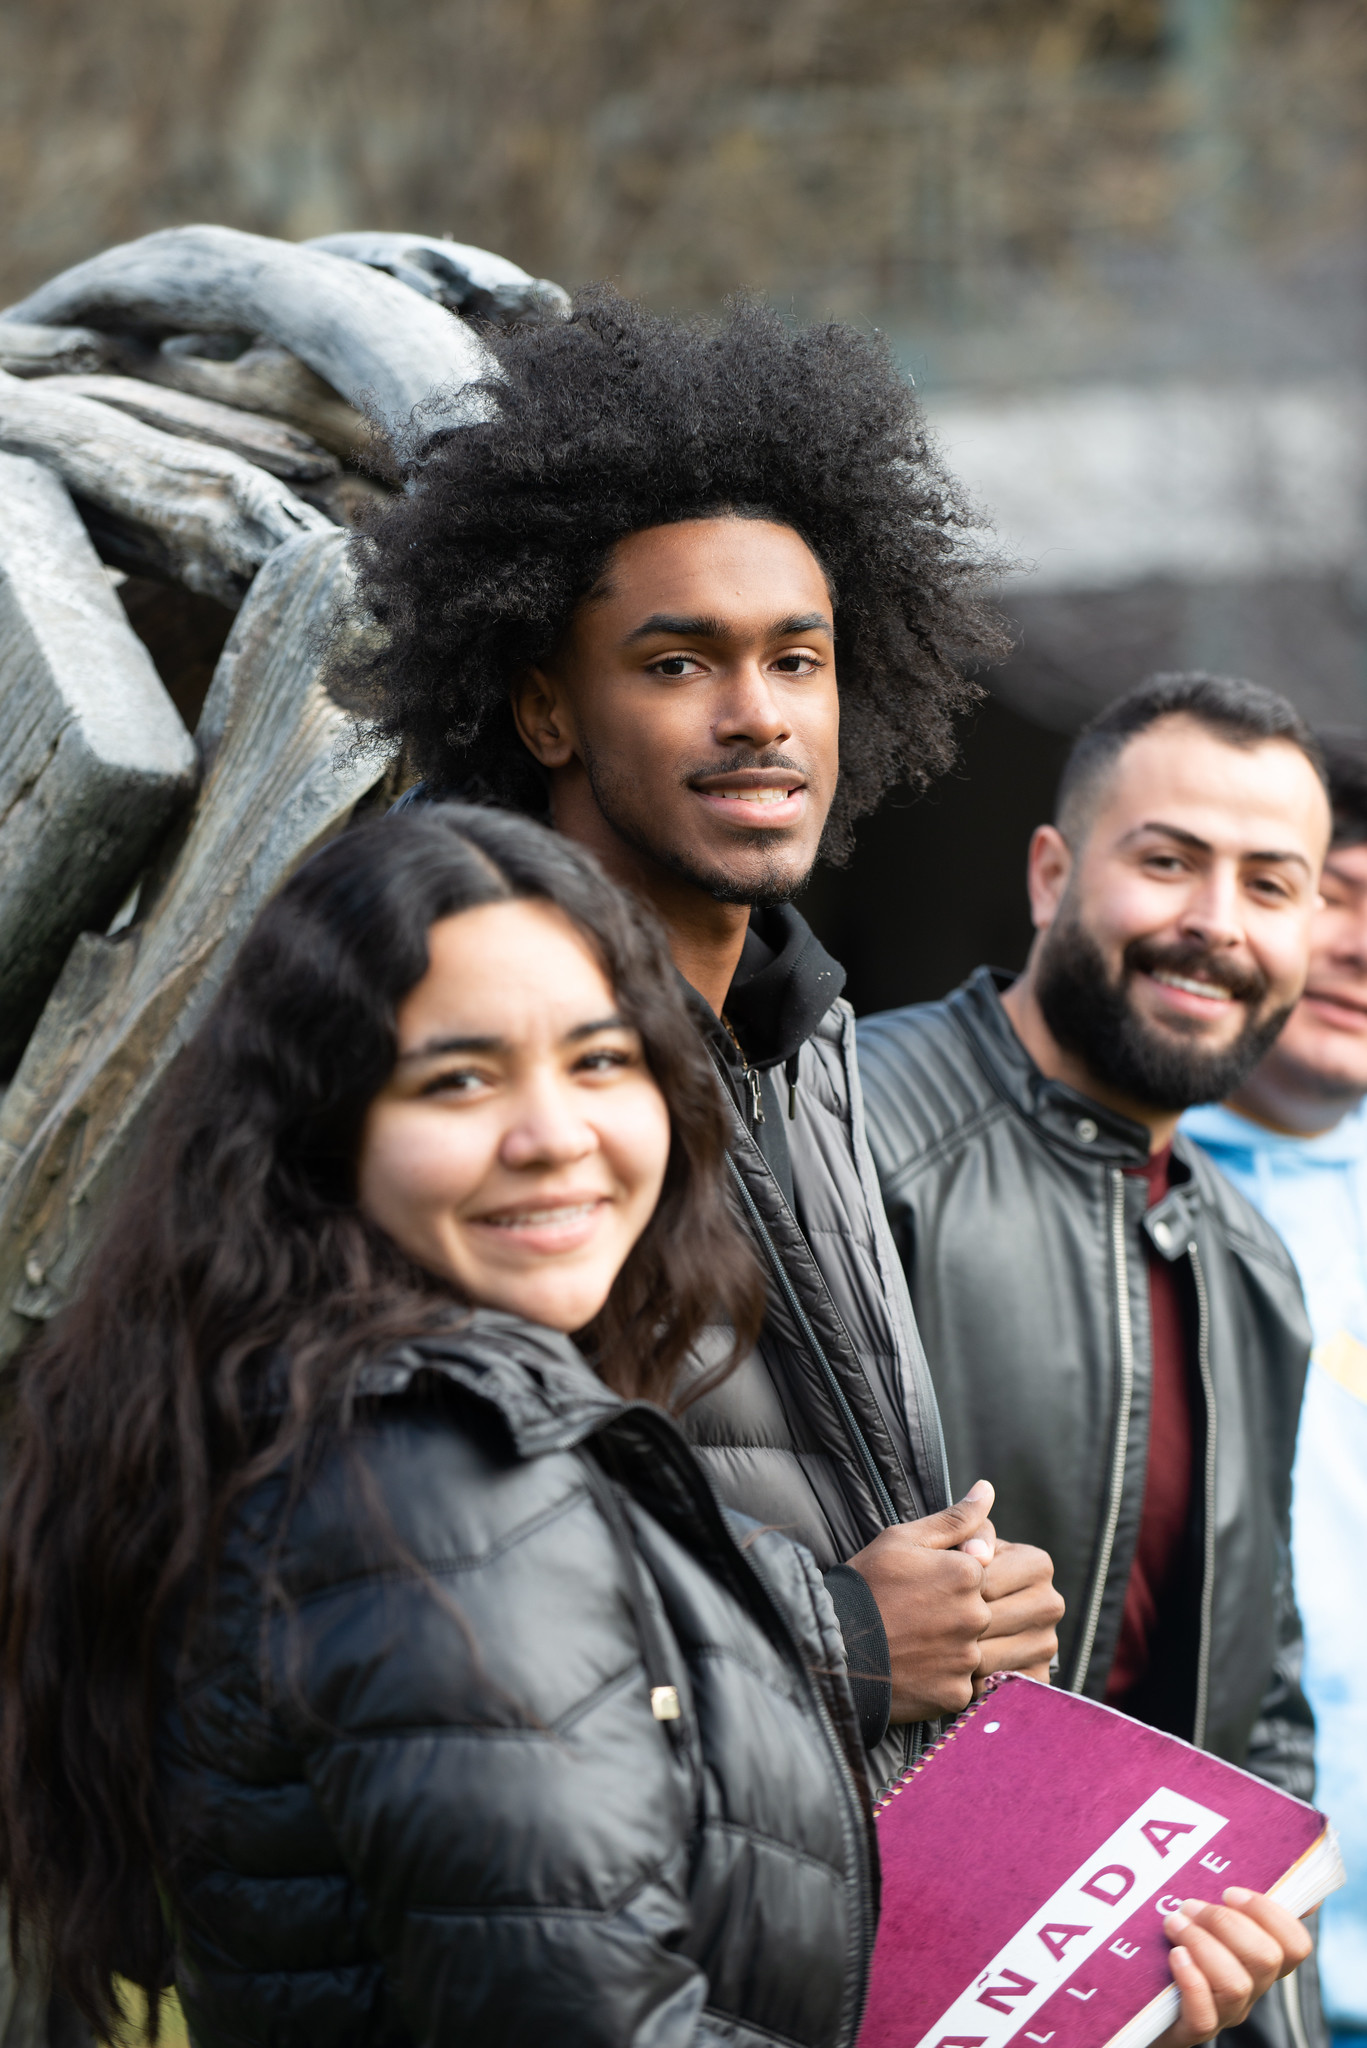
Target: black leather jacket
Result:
[1023, 1240]
[428, 1801]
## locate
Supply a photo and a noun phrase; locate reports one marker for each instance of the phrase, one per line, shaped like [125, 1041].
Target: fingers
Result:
[983, 1546]
[1016, 1568]
[1032, 1652]
[1198, 2019]
[953, 1526]
[1237, 1951]
[1038, 1608]
[1291, 1935]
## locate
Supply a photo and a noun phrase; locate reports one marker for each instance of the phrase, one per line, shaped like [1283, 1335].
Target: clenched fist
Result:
[1026, 1607]
[928, 1580]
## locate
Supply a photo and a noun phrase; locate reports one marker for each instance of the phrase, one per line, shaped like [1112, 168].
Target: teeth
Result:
[1193, 988]
[534, 1219]
[753, 796]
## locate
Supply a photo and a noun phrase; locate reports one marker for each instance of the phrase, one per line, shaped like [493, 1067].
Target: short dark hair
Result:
[1244, 714]
[616, 420]
[1345, 760]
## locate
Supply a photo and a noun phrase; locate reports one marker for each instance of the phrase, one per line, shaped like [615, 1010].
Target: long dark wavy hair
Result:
[238, 1253]
[618, 419]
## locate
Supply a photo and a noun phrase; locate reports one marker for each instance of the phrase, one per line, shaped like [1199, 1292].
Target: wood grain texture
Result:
[279, 449]
[269, 380]
[28, 351]
[160, 505]
[94, 759]
[455, 274]
[278, 781]
[383, 347]
[266, 380]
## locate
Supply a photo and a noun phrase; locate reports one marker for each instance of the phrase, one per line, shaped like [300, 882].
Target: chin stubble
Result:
[770, 884]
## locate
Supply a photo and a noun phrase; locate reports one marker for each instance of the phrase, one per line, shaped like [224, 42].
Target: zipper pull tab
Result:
[756, 1098]
[790, 1071]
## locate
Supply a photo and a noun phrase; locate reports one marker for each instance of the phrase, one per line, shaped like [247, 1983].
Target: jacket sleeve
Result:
[479, 1738]
[1281, 1747]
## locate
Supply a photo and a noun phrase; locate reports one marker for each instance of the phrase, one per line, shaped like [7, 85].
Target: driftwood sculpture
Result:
[187, 423]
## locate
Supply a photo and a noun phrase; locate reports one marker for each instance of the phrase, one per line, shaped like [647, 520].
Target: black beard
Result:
[1092, 1017]
[772, 885]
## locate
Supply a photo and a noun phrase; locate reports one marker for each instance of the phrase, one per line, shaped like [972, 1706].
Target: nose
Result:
[1211, 912]
[752, 714]
[546, 1126]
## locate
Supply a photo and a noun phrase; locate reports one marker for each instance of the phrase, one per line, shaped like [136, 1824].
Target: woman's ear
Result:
[543, 718]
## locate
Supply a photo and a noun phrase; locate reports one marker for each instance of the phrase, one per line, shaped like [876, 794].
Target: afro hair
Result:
[614, 420]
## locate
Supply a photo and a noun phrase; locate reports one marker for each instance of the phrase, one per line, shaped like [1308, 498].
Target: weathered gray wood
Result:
[197, 514]
[94, 759]
[281, 450]
[27, 351]
[279, 780]
[382, 346]
[265, 380]
[458, 276]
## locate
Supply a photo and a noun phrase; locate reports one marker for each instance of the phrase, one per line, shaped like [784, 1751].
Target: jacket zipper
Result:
[891, 1518]
[1198, 1734]
[1125, 1339]
[751, 1075]
[854, 1811]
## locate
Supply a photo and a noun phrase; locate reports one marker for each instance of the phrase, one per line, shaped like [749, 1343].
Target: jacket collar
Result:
[547, 1395]
[784, 985]
[1068, 1118]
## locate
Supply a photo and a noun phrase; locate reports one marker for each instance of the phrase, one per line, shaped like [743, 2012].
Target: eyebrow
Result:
[1269, 856]
[440, 1048]
[678, 626]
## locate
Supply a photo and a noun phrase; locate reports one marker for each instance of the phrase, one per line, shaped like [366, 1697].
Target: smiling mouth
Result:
[759, 795]
[1334, 1001]
[557, 1215]
[1210, 989]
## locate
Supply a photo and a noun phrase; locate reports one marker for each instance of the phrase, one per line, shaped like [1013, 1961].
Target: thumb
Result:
[954, 1525]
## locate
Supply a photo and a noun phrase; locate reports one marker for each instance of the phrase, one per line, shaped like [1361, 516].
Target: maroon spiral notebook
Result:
[1030, 1858]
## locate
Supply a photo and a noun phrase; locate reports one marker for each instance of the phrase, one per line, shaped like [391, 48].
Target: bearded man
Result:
[1114, 1333]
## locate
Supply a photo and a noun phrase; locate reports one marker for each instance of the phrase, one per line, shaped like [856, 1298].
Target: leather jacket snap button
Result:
[1086, 1130]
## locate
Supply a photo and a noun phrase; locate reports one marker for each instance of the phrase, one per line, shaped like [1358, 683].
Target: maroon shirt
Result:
[1160, 1552]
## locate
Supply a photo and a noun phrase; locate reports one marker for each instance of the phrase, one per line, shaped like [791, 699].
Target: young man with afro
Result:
[621, 603]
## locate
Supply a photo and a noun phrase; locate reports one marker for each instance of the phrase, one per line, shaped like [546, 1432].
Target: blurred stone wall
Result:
[1012, 186]
[1122, 248]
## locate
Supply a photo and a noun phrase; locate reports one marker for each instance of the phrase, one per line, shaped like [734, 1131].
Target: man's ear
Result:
[543, 717]
[1048, 868]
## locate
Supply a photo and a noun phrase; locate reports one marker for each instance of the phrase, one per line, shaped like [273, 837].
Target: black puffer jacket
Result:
[421, 1808]
[829, 1429]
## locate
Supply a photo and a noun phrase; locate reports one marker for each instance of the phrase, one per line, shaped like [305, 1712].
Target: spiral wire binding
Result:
[947, 1735]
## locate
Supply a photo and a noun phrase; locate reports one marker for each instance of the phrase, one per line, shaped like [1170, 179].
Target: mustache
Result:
[743, 758]
[1246, 984]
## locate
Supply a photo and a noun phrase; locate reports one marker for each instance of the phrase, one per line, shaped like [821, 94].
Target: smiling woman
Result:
[519, 1147]
[368, 1644]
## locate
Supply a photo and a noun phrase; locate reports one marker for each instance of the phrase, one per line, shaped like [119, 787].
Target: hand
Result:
[929, 1592]
[1225, 1957]
[1026, 1609]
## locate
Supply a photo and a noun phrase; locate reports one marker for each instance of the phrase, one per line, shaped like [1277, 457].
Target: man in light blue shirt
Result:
[1294, 1141]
